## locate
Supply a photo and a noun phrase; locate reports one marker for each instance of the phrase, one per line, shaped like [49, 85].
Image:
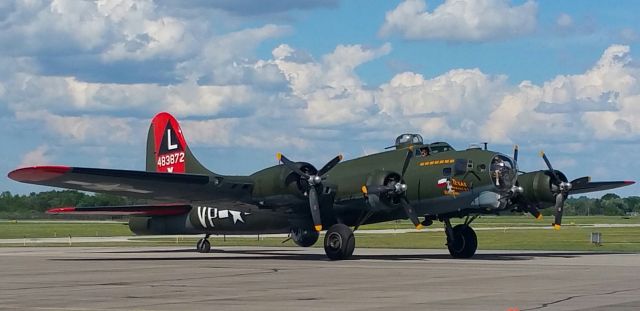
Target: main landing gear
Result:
[461, 239]
[339, 242]
[203, 245]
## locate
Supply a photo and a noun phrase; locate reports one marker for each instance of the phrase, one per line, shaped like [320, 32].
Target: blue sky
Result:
[80, 80]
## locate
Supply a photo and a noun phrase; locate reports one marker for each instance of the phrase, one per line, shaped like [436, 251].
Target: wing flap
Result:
[124, 210]
[139, 184]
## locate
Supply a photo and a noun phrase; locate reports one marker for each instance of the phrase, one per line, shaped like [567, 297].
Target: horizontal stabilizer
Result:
[125, 210]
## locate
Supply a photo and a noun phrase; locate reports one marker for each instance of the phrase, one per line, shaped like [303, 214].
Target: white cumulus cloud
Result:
[453, 104]
[38, 156]
[82, 129]
[612, 85]
[461, 20]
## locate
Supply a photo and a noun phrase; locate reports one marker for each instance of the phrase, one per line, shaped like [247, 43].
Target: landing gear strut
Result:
[462, 241]
[339, 242]
[203, 245]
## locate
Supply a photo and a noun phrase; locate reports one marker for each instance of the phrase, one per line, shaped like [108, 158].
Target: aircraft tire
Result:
[203, 246]
[339, 242]
[304, 237]
[465, 242]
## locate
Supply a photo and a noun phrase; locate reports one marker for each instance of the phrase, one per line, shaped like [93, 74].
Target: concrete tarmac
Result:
[254, 278]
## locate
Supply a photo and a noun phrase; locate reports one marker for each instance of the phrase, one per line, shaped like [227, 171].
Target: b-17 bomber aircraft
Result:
[414, 180]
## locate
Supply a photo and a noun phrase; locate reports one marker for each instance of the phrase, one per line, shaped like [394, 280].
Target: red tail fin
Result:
[167, 149]
[169, 145]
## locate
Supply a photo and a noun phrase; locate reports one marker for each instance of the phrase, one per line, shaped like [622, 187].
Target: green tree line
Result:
[34, 205]
[609, 204]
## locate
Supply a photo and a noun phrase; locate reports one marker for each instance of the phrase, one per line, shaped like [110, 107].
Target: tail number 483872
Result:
[171, 159]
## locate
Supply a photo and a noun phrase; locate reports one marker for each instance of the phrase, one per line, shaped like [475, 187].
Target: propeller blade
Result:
[515, 153]
[405, 165]
[411, 213]
[291, 165]
[315, 209]
[553, 172]
[327, 167]
[534, 211]
[560, 198]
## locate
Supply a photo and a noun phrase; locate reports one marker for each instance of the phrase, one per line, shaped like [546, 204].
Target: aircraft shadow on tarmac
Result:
[280, 254]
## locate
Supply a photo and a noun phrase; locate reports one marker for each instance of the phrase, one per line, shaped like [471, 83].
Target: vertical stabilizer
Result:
[167, 150]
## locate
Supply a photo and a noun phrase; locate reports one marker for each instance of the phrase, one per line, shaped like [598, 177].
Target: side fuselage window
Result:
[423, 152]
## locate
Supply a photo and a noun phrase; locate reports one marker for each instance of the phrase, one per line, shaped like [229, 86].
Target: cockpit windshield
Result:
[503, 172]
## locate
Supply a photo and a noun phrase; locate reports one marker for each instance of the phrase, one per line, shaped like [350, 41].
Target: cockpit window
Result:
[422, 152]
[440, 147]
[503, 172]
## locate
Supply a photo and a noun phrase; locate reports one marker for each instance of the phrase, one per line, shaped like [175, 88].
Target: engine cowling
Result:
[382, 178]
[281, 184]
[537, 186]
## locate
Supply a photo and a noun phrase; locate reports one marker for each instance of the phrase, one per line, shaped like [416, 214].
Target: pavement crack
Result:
[544, 305]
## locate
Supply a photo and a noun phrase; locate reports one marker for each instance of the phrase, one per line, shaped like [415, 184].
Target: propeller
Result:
[397, 189]
[561, 190]
[314, 181]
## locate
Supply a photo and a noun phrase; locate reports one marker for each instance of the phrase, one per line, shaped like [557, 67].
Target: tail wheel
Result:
[339, 242]
[203, 246]
[465, 242]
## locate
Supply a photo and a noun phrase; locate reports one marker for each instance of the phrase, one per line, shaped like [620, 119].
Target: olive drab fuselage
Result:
[445, 183]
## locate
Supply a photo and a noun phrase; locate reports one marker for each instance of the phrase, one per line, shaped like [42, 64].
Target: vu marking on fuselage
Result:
[206, 215]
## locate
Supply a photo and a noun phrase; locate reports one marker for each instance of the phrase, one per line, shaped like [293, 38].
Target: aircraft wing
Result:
[125, 210]
[138, 184]
[585, 187]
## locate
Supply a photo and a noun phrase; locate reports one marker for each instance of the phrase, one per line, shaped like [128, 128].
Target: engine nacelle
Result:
[381, 178]
[537, 186]
[281, 184]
